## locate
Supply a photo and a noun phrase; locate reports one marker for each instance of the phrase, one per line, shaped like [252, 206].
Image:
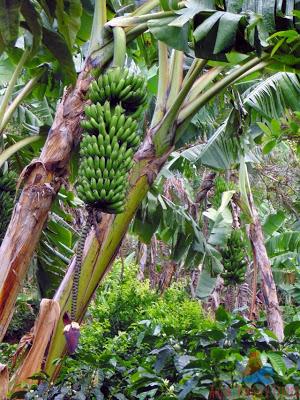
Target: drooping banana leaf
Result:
[220, 27]
[272, 96]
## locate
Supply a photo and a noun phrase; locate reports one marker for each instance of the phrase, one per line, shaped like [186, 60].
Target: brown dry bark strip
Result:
[44, 327]
[274, 317]
[3, 381]
[252, 312]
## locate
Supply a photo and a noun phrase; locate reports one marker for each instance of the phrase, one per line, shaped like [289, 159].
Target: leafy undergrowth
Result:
[138, 345]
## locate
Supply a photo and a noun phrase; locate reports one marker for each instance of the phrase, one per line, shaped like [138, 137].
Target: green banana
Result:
[111, 135]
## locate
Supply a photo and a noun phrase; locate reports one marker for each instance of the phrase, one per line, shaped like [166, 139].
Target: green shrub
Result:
[120, 307]
[129, 301]
[6, 352]
[138, 345]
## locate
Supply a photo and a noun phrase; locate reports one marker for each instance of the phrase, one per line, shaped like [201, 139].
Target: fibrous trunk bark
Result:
[274, 317]
[153, 275]
[243, 296]
[230, 297]
[206, 185]
[167, 275]
[142, 260]
[3, 381]
[253, 276]
[45, 326]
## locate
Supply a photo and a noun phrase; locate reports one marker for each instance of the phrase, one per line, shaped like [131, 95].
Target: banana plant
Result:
[180, 95]
[283, 244]
[264, 100]
[221, 152]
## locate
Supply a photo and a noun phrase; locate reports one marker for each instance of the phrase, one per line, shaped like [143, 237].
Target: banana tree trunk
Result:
[99, 255]
[42, 182]
[33, 360]
[3, 381]
[230, 297]
[261, 260]
[43, 178]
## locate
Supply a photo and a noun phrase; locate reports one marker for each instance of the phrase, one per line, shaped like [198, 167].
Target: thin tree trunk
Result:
[252, 312]
[230, 297]
[262, 261]
[235, 215]
[142, 261]
[193, 282]
[215, 297]
[153, 276]
[167, 274]
[244, 293]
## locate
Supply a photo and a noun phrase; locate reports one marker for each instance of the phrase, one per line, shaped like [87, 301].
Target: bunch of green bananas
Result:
[8, 181]
[220, 186]
[120, 86]
[110, 138]
[234, 260]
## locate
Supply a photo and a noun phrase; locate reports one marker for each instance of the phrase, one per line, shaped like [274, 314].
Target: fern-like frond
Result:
[272, 96]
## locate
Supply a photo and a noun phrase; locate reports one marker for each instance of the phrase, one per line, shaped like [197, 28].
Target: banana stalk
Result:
[19, 98]
[11, 85]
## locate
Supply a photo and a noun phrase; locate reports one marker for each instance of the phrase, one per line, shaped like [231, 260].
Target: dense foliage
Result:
[138, 345]
[7, 192]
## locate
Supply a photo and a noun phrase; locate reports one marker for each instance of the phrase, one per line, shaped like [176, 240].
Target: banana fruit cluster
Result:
[234, 260]
[119, 86]
[110, 138]
[220, 186]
